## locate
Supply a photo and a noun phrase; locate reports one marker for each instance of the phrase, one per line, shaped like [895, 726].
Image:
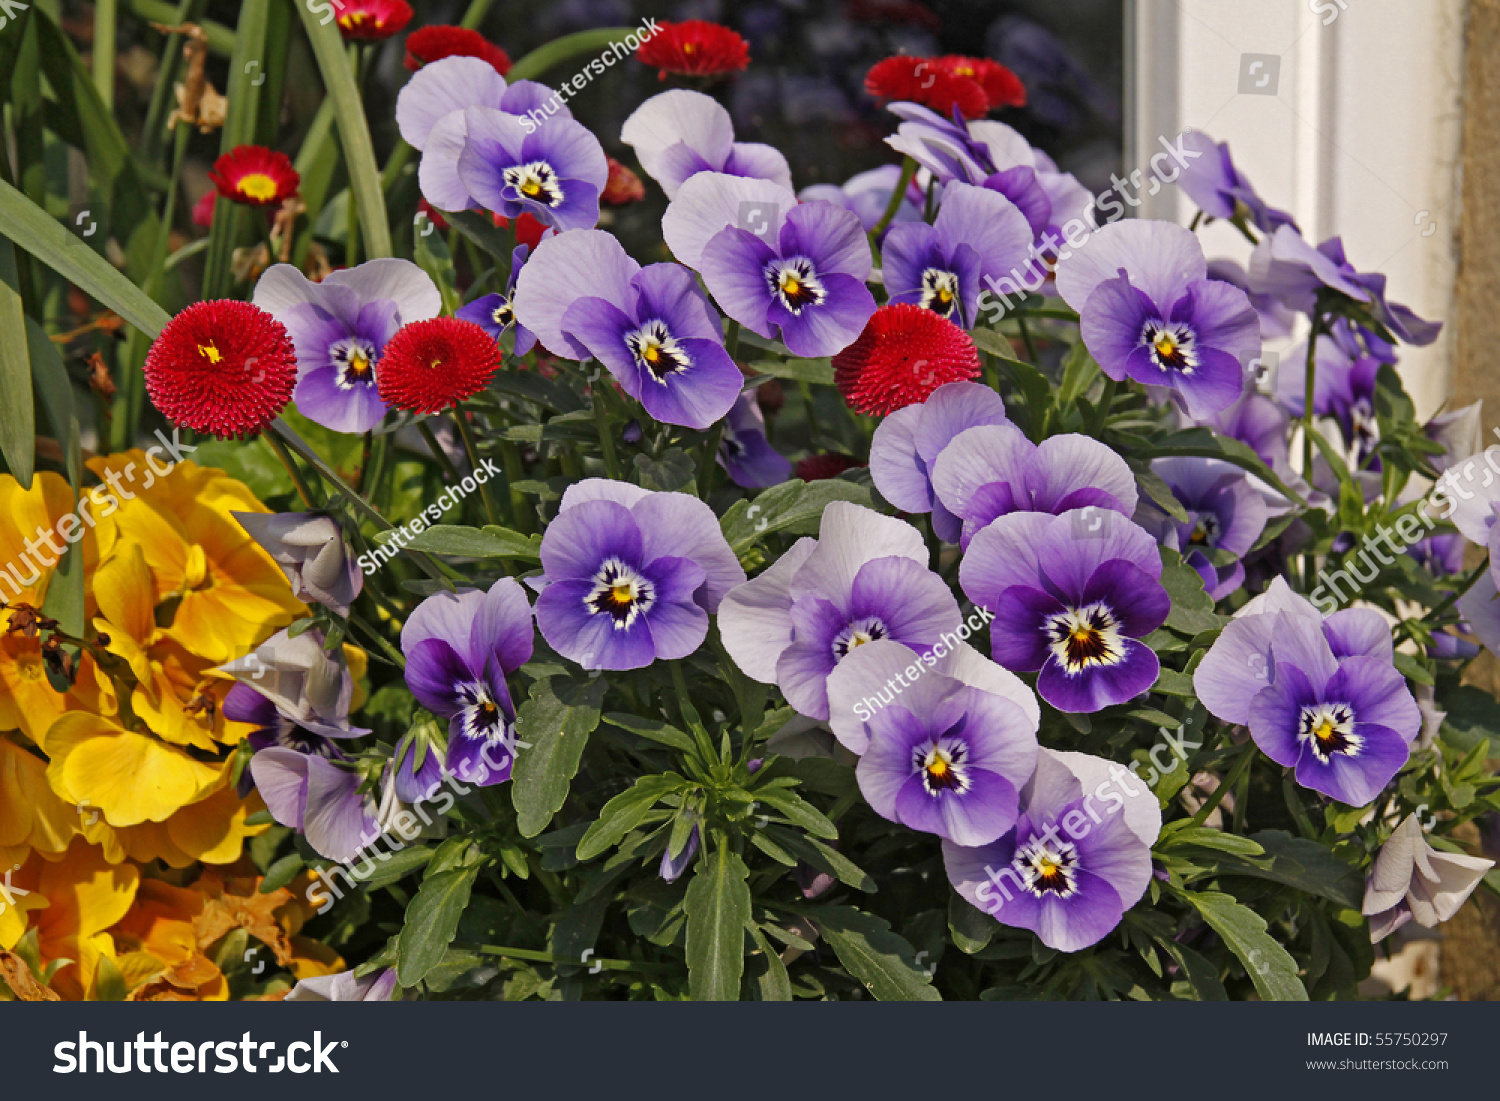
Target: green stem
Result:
[1106, 399]
[291, 468]
[708, 460]
[439, 455]
[471, 445]
[1026, 339]
[510, 458]
[380, 640]
[1404, 632]
[908, 170]
[106, 18]
[475, 15]
[1242, 766]
[606, 431]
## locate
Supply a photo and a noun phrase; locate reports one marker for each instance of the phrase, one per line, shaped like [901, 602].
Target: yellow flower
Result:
[84, 895]
[31, 815]
[36, 526]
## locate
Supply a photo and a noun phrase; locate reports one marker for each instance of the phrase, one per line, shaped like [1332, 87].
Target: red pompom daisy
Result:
[429, 366]
[225, 368]
[694, 48]
[926, 81]
[255, 176]
[1001, 86]
[904, 354]
[623, 186]
[830, 464]
[373, 20]
[437, 42]
[203, 209]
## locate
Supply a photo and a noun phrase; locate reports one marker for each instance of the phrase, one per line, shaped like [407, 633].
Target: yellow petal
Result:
[126, 594]
[130, 777]
[213, 830]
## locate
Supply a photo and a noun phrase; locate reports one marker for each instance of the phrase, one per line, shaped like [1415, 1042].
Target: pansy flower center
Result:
[1328, 728]
[1081, 638]
[258, 186]
[943, 766]
[1172, 347]
[656, 350]
[857, 634]
[483, 718]
[1049, 866]
[939, 292]
[502, 315]
[1205, 531]
[535, 181]
[353, 360]
[795, 284]
[620, 592]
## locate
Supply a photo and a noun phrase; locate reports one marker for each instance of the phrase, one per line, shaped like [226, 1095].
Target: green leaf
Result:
[1203, 975]
[354, 132]
[1307, 866]
[401, 864]
[1154, 486]
[582, 43]
[823, 857]
[557, 721]
[623, 813]
[774, 985]
[65, 592]
[44, 237]
[654, 729]
[483, 232]
[874, 955]
[431, 922]
[281, 873]
[718, 910]
[798, 811]
[1192, 608]
[815, 371]
[109, 984]
[1079, 373]
[971, 928]
[1206, 838]
[17, 411]
[1269, 965]
[791, 505]
[489, 541]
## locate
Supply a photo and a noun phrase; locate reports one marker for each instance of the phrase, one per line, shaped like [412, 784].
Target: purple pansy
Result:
[679, 133]
[1277, 322]
[306, 683]
[1320, 695]
[1048, 197]
[1078, 857]
[243, 704]
[978, 234]
[344, 987]
[745, 452]
[340, 327]
[494, 313]
[867, 194]
[773, 264]
[1343, 388]
[993, 469]
[317, 797]
[907, 444]
[1149, 312]
[1072, 595]
[943, 757]
[864, 578]
[310, 549]
[630, 575]
[459, 648]
[1411, 879]
[1287, 267]
[651, 327]
[1258, 422]
[1225, 513]
[1220, 189]
[1459, 431]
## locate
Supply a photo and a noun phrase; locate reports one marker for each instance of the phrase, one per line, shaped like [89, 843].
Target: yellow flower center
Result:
[791, 286]
[938, 769]
[258, 186]
[30, 667]
[1324, 731]
[210, 352]
[1165, 345]
[1047, 867]
[689, 47]
[622, 593]
[359, 364]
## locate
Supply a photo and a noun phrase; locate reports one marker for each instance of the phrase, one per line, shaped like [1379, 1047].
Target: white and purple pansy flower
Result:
[772, 264]
[496, 312]
[864, 578]
[1320, 695]
[1072, 596]
[1221, 190]
[459, 648]
[340, 327]
[940, 755]
[744, 451]
[993, 469]
[906, 446]
[1225, 513]
[630, 576]
[651, 327]
[1149, 312]
[1078, 857]
[978, 234]
[318, 797]
[867, 194]
[679, 133]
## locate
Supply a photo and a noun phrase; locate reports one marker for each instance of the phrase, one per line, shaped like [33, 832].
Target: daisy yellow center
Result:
[210, 352]
[964, 70]
[258, 186]
[689, 47]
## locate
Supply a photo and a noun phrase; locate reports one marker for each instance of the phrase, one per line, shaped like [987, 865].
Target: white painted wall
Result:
[1362, 138]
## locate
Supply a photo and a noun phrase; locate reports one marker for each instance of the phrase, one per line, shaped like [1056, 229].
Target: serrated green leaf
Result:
[432, 922]
[880, 959]
[1269, 965]
[718, 911]
[798, 811]
[557, 721]
[624, 812]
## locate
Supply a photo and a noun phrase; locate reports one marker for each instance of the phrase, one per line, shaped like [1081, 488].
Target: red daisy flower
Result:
[623, 186]
[203, 209]
[926, 81]
[226, 368]
[429, 366]
[1001, 86]
[694, 48]
[255, 176]
[373, 20]
[904, 354]
[830, 464]
[437, 42]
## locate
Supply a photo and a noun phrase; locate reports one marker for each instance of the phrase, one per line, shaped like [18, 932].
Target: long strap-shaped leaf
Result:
[42, 235]
[17, 412]
[354, 132]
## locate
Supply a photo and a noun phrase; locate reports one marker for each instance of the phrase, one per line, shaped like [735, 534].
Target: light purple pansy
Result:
[1072, 596]
[1343, 388]
[1411, 879]
[1225, 513]
[651, 327]
[745, 452]
[772, 264]
[978, 234]
[679, 133]
[1149, 312]
[1258, 422]
[1459, 431]
[340, 327]
[1469, 492]
[495, 313]
[459, 649]
[344, 987]
[1320, 695]
[941, 756]
[1078, 857]
[317, 797]
[864, 578]
[243, 704]
[630, 576]
[310, 549]
[940, 145]
[867, 194]
[1049, 197]
[306, 684]
[1277, 321]
[990, 470]
[1287, 267]
[1220, 189]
